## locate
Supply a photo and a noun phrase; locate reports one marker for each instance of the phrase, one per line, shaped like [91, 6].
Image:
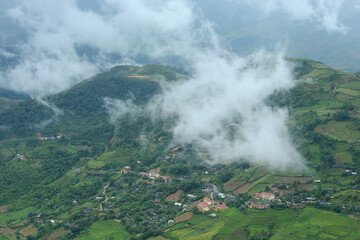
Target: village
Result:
[168, 208]
[164, 193]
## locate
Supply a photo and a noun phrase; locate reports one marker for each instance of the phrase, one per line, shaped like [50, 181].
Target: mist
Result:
[235, 51]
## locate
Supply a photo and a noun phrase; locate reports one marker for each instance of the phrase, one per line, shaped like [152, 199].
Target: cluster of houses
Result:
[207, 204]
[348, 171]
[155, 175]
[20, 157]
[261, 201]
[40, 137]
[185, 207]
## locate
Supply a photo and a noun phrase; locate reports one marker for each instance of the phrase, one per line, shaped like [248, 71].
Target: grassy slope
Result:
[105, 229]
[309, 223]
[317, 96]
[6, 103]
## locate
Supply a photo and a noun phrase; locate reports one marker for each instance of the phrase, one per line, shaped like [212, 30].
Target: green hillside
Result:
[68, 173]
[6, 103]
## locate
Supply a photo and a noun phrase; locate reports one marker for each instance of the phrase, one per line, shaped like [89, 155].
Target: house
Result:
[75, 203]
[203, 207]
[213, 215]
[219, 207]
[265, 195]
[191, 196]
[207, 201]
[257, 206]
[154, 174]
[167, 180]
[21, 157]
[177, 204]
[171, 222]
[207, 190]
[221, 195]
[317, 181]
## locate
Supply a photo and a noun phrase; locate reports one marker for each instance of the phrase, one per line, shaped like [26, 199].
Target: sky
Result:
[322, 30]
[48, 46]
[234, 49]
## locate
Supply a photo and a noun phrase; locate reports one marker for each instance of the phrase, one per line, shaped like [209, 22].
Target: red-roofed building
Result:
[207, 201]
[266, 195]
[203, 207]
[219, 207]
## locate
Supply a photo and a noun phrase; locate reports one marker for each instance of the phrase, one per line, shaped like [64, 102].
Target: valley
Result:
[70, 171]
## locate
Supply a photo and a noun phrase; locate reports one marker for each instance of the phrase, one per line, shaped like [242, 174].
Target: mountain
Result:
[6, 93]
[67, 171]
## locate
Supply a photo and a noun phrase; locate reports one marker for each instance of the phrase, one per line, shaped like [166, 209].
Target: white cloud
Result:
[224, 88]
[50, 60]
[6, 54]
[324, 13]
[228, 90]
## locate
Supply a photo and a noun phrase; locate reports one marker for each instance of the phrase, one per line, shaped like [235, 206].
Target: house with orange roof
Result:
[207, 201]
[203, 207]
[265, 195]
[219, 207]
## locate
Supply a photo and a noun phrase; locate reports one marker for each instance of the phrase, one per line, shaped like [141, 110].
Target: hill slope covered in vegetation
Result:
[67, 171]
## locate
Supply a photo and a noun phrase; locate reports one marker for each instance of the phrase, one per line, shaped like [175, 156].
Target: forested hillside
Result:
[69, 172]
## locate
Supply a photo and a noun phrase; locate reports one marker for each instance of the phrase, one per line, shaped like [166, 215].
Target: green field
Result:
[310, 223]
[317, 224]
[102, 230]
[341, 131]
[199, 227]
[95, 164]
[13, 218]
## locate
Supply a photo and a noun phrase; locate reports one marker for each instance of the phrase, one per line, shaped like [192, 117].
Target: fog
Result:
[322, 30]
[234, 49]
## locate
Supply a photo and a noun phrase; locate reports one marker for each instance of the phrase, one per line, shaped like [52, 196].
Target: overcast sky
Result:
[74, 39]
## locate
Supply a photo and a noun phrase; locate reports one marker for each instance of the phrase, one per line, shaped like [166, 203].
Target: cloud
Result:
[118, 109]
[6, 54]
[55, 118]
[223, 89]
[53, 58]
[323, 12]
[222, 109]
